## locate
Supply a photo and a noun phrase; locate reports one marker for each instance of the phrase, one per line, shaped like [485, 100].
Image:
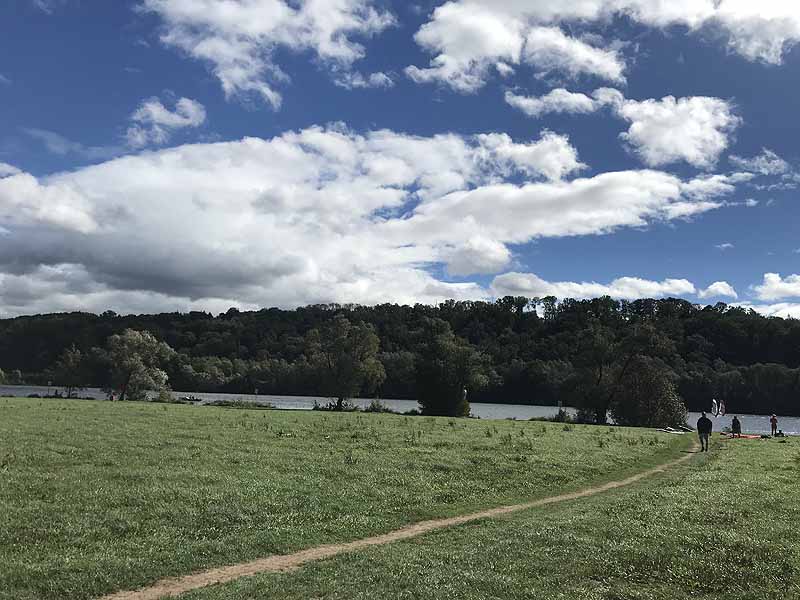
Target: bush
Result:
[376, 406]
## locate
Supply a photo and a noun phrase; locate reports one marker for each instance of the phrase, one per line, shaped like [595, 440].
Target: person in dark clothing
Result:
[704, 427]
[736, 427]
[773, 423]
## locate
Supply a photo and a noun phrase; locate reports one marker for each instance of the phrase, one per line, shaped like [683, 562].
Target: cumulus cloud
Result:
[477, 255]
[322, 214]
[239, 39]
[552, 156]
[558, 100]
[23, 200]
[766, 163]
[775, 287]
[724, 246]
[7, 169]
[694, 129]
[549, 49]
[154, 123]
[785, 310]
[719, 289]
[468, 37]
[624, 288]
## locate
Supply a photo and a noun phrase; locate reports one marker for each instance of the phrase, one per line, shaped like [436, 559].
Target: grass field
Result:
[722, 526]
[96, 497]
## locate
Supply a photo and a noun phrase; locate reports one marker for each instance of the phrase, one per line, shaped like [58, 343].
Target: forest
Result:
[514, 350]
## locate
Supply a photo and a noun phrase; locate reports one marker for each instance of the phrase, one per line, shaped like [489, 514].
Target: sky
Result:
[176, 155]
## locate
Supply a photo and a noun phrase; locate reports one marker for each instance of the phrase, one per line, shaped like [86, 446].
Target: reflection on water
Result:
[750, 423]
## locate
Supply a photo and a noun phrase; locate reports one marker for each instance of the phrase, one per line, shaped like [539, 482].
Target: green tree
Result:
[69, 371]
[15, 377]
[446, 367]
[589, 389]
[137, 358]
[603, 361]
[344, 358]
[647, 396]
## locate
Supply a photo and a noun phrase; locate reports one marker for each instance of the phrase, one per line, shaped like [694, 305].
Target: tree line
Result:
[585, 353]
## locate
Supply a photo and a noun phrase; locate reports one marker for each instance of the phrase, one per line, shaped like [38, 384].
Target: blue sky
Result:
[176, 154]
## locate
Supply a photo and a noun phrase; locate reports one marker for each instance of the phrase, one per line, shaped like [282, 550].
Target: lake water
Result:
[750, 423]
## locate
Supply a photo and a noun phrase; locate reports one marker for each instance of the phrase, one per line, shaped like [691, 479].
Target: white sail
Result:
[721, 407]
[714, 407]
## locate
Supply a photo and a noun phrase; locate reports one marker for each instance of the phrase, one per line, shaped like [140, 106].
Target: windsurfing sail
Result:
[721, 408]
[714, 407]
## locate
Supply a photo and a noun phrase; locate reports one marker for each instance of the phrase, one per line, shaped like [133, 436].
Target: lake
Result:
[750, 423]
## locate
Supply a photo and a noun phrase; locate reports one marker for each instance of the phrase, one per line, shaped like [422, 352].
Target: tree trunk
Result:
[125, 386]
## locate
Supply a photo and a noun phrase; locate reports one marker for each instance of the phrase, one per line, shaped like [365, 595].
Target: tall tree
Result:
[69, 371]
[137, 358]
[447, 368]
[344, 356]
[647, 396]
[603, 362]
[596, 356]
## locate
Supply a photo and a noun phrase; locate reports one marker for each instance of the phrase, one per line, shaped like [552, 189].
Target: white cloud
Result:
[239, 38]
[766, 163]
[549, 49]
[557, 101]
[774, 287]
[694, 129]
[317, 215]
[751, 203]
[712, 186]
[154, 123]
[468, 40]
[724, 246]
[24, 200]
[4, 80]
[625, 288]
[352, 79]
[468, 37]
[7, 169]
[47, 6]
[552, 156]
[719, 289]
[785, 310]
[520, 213]
[477, 255]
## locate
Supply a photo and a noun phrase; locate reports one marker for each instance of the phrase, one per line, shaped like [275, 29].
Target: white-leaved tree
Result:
[137, 359]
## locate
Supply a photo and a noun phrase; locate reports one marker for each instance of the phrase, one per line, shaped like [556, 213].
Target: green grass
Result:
[722, 526]
[96, 497]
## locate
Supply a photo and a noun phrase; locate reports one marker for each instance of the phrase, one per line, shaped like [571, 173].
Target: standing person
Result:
[704, 427]
[773, 423]
[736, 427]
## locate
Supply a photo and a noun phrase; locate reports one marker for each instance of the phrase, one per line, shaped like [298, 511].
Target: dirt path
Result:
[174, 586]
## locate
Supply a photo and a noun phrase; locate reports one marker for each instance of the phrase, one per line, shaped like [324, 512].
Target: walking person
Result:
[773, 423]
[736, 427]
[704, 428]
